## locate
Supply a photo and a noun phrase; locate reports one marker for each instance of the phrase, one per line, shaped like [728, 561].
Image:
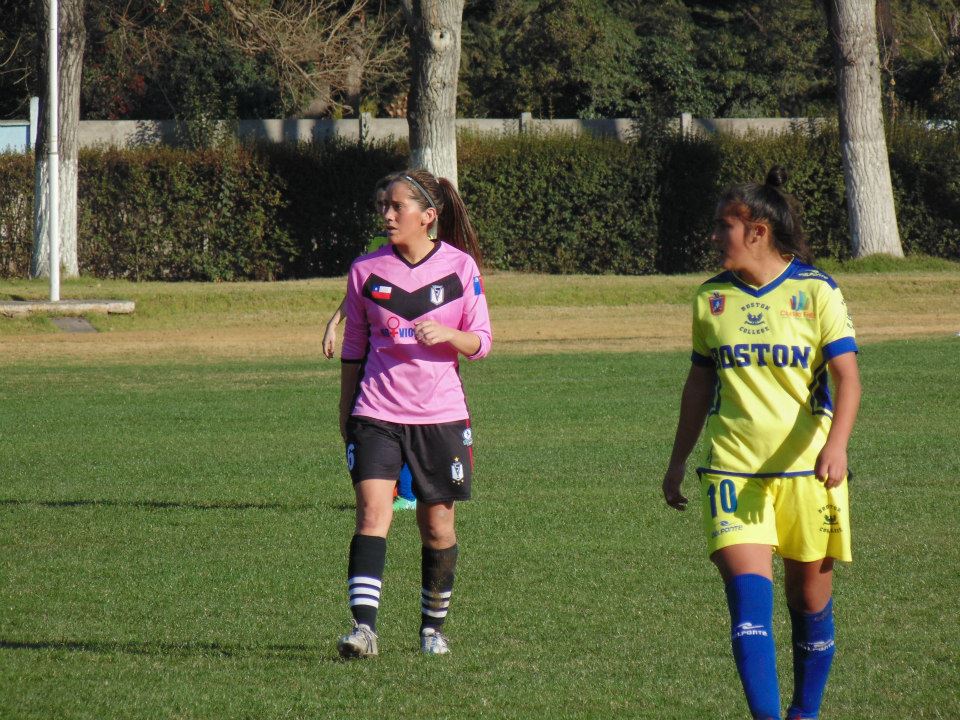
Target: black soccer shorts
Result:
[440, 456]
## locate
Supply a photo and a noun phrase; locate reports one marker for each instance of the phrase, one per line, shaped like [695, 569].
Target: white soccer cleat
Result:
[433, 642]
[361, 642]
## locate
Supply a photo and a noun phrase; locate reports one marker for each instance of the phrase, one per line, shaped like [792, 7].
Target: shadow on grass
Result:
[173, 505]
[108, 647]
[157, 505]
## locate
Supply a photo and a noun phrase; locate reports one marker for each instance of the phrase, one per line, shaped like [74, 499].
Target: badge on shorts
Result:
[456, 471]
[468, 437]
[436, 294]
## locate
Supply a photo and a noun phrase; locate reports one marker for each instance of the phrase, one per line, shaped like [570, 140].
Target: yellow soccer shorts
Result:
[800, 518]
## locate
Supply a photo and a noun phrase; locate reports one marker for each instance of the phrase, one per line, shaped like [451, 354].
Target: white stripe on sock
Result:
[372, 602]
[365, 580]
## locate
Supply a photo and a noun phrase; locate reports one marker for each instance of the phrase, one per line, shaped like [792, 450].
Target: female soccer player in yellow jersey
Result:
[766, 333]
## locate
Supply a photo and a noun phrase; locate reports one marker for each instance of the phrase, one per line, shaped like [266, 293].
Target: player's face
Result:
[403, 218]
[730, 235]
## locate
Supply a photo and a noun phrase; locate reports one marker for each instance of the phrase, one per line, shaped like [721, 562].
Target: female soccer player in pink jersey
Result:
[412, 308]
[766, 334]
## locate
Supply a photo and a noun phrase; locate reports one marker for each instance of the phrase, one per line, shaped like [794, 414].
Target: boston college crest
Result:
[717, 303]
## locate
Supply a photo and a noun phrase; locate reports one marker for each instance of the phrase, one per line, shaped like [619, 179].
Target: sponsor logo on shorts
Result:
[831, 519]
[746, 629]
[436, 294]
[468, 437]
[456, 471]
[725, 527]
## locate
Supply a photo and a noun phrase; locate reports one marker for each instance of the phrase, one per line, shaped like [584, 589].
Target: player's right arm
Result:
[349, 376]
[694, 406]
[355, 341]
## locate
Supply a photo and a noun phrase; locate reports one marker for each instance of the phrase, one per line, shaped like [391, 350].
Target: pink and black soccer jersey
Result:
[401, 380]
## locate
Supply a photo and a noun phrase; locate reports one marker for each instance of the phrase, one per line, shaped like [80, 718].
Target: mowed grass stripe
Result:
[173, 544]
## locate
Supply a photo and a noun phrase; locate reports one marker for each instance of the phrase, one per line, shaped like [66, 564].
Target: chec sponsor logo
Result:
[799, 307]
[394, 330]
[831, 519]
[755, 323]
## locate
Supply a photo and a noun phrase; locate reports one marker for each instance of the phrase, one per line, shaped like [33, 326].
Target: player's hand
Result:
[831, 465]
[671, 487]
[430, 332]
[329, 340]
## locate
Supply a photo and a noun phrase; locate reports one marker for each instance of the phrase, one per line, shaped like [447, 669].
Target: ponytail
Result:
[453, 221]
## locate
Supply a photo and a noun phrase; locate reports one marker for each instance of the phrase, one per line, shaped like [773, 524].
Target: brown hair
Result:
[453, 222]
[753, 203]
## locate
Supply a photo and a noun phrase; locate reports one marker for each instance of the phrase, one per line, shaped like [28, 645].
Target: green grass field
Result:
[173, 542]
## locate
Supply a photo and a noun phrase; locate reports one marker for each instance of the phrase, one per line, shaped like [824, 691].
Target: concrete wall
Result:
[15, 135]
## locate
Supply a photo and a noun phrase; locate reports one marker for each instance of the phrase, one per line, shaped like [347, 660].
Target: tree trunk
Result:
[73, 37]
[866, 169]
[434, 30]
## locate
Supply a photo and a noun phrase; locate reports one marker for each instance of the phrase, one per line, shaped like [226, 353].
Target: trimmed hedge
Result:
[165, 214]
[562, 205]
[553, 204]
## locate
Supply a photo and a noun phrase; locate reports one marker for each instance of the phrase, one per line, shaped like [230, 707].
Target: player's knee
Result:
[373, 521]
[437, 534]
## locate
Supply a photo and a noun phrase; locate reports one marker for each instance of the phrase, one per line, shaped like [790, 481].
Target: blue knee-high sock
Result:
[750, 599]
[405, 488]
[813, 651]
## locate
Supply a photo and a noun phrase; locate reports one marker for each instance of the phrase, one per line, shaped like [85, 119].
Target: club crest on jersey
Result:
[382, 292]
[436, 294]
[468, 437]
[456, 471]
[717, 303]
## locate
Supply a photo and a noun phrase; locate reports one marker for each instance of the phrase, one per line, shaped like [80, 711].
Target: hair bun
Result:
[777, 176]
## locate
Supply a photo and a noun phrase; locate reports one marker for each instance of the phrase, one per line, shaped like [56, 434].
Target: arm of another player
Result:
[831, 466]
[330, 334]
[694, 404]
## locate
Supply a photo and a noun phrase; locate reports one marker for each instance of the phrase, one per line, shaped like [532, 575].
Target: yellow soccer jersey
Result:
[771, 409]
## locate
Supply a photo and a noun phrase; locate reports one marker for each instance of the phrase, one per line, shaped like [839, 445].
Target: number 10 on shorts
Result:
[728, 497]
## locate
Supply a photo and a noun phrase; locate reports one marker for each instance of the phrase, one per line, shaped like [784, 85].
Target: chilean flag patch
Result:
[381, 292]
[477, 285]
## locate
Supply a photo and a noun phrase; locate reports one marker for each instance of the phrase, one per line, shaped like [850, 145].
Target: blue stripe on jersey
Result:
[839, 347]
[820, 401]
[701, 360]
[714, 471]
[715, 405]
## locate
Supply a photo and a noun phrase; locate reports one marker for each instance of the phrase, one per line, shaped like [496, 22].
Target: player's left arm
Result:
[840, 349]
[474, 335]
[831, 466]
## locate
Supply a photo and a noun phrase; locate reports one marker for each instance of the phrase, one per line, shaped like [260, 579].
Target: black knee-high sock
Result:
[368, 554]
[438, 568]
